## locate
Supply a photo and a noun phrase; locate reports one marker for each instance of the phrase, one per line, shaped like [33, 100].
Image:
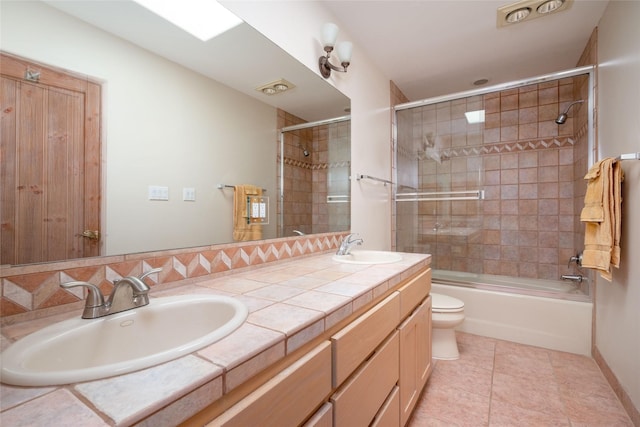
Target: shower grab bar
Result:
[440, 196]
[223, 186]
[629, 156]
[385, 181]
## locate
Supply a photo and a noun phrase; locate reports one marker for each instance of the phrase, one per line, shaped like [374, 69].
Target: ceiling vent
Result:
[527, 10]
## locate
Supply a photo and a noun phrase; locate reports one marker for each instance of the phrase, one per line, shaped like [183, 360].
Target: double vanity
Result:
[322, 341]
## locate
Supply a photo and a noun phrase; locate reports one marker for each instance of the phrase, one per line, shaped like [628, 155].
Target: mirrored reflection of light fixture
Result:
[476, 116]
[343, 49]
[277, 87]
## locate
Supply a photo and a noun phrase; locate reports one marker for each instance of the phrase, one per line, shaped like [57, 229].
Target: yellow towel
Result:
[602, 217]
[242, 229]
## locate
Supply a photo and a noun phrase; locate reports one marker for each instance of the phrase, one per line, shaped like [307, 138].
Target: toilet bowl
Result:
[446, 313]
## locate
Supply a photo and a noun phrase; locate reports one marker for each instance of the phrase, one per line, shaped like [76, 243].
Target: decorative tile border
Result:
[500, 147]
[33, 290]
[308, 165]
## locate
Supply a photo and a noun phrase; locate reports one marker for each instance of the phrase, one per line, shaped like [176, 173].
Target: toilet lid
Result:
[441, 302]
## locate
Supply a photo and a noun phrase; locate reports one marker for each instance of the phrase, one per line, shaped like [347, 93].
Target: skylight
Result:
[203, 19]
[475, 116]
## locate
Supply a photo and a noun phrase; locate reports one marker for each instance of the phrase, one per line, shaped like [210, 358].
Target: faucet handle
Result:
[152, 271]
[94, 297]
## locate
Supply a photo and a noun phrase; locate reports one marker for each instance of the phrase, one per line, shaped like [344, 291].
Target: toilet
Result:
[446, 313]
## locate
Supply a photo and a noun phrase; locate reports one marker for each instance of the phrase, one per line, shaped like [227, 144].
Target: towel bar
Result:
[223, 186]
[629, 156]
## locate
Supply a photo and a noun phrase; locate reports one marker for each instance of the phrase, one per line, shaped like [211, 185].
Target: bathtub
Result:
[521, 310]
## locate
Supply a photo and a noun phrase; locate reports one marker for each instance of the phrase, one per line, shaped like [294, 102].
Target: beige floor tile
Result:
[500, 383]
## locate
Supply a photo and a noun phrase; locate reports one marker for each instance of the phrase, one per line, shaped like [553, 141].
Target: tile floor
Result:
[501, 383]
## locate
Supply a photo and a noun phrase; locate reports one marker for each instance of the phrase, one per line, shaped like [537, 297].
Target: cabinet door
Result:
[415, 357]
[424, 345]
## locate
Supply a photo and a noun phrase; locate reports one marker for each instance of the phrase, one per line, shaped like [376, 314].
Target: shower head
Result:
[563, 117]
[304, 150]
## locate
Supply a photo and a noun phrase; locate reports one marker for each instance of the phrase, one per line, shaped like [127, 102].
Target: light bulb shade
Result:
[344, 51]
[329, 34]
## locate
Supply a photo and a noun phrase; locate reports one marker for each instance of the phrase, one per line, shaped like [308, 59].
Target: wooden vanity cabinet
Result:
[369, 373]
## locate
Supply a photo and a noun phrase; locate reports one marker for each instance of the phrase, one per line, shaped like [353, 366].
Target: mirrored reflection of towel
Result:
[242, 229]
[602, 216]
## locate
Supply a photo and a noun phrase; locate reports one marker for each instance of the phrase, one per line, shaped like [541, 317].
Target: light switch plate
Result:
[189, 194]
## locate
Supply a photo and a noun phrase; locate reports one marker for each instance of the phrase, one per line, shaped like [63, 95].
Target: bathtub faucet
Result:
[573, 277]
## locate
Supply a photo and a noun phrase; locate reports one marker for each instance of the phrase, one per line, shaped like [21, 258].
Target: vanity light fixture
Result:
[526, 10]
[275, 88]
[344, 49]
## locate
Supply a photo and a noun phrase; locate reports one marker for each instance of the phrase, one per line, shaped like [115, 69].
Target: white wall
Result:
[185, 137]
[618, 303]
[295, 26]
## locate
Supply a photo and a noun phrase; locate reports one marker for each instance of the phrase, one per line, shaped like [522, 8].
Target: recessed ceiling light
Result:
[203, 19]
[526, 10]
[518, 15]
[481, 82]
[549, 6]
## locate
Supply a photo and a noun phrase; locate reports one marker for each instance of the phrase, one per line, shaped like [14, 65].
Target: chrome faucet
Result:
[347, 242]
[128, 293]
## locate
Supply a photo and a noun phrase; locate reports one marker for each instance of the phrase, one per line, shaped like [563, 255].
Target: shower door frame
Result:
[578, 71]
[281, 162]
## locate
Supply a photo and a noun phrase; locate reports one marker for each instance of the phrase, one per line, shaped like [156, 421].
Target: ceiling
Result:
[240, 58]
[435, 47]
[426, 47]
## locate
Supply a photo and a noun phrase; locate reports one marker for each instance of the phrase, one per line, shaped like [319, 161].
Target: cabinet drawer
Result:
[353, 344]
[414, 292]
[322, 418]
[389, 415]
[289, 397]
[358, 401]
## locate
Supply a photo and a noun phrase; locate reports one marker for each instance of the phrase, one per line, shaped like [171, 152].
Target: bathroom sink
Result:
[368, 257]
[78, 349]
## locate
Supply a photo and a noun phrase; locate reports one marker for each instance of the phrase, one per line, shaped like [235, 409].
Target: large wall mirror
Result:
[179, 118]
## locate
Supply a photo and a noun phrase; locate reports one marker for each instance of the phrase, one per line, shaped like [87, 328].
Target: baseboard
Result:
[628, 405]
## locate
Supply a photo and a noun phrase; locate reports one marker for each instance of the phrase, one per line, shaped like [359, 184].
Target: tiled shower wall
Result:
[316, 187]
[527, 225]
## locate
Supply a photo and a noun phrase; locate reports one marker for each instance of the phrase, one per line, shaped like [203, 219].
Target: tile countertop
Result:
[290, 303]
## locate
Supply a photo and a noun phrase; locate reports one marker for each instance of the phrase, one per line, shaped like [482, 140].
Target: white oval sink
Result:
[368, 257]
[78, 349]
